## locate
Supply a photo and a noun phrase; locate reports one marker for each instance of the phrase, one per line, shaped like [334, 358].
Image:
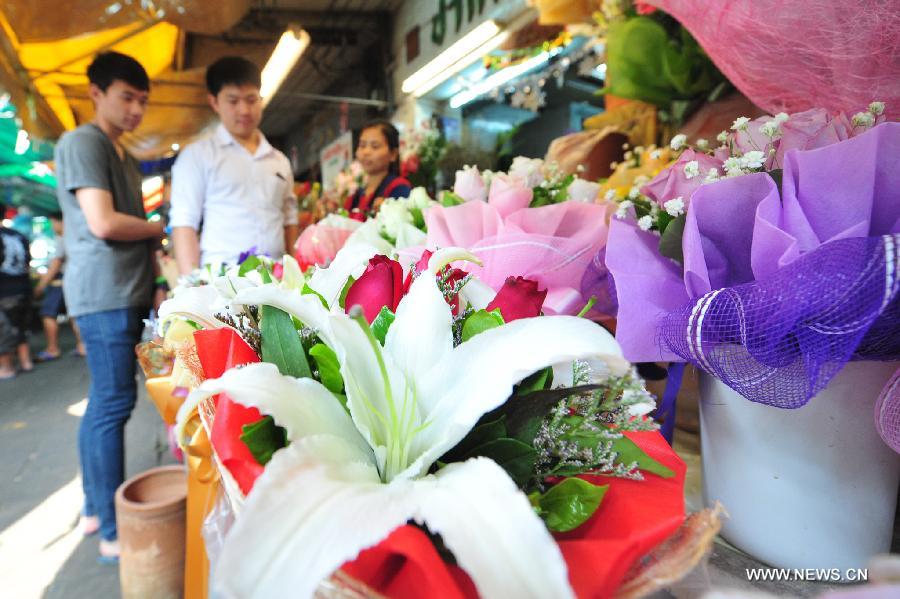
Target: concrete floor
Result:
[43, 555]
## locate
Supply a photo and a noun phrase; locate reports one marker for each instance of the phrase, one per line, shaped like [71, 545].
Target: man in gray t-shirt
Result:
[109, 275]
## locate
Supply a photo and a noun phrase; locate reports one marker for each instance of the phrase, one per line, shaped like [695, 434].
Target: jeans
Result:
[109, 338]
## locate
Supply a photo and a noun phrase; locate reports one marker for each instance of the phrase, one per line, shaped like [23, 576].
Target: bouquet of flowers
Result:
[421, 151]
[729, 258]
[422, 415]
[533, 221]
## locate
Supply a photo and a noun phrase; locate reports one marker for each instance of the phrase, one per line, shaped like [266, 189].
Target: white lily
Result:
[347, 480]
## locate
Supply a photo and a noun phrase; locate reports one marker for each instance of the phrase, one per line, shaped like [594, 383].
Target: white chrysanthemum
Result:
[753, 159]
[645, 222]
[691, 169]
[675, 207]
[876, 108]
[678, 141]
[771, 129]
[722, 137]
[740, 124]
[622, 210]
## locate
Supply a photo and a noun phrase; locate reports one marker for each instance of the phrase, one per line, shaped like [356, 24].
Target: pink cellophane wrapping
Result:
[792, 56]
[319, 243]
[551, 245]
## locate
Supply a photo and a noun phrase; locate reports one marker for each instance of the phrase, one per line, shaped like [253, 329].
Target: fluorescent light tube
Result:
[287, 52]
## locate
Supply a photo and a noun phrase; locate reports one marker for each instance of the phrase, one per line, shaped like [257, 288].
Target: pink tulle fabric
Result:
[318, 244]
[790, 56]
[551, 245]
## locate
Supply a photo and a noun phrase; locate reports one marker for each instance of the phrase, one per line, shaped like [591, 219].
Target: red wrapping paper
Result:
[219, 350]
[633, 518]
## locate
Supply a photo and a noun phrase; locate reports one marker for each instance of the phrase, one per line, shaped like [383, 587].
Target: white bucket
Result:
[814, 487]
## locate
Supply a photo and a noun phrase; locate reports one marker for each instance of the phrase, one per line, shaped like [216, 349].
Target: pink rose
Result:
[508, 194]
[380, 285]
[518, 298]
[469, 185]
[811, 129]
[673, 182]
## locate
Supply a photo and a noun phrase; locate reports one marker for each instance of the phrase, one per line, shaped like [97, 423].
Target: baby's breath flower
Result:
[645, 222]
[771, 129]
[610, 195]
[733, 167]
[629, 155]
[722, 137]
[740, 124]
[863, 119]
[622, 210]
[675, 207]
[781, 117]
[633, 193]
[712, 175]
[702, 143]
[678, 141]
[753, 159]
[691, 169]
[655, 154]
[641, 180]
[876, 108]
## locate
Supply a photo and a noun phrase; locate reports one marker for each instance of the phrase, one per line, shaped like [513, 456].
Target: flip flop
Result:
[77, 353]
[7, 377]
[45, 356]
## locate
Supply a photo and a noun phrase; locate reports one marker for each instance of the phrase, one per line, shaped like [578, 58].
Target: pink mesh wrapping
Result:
[791, 56]
[319, 243]
[887, 413]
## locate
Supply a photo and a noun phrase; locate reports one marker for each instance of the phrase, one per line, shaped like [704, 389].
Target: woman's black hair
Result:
[392, 136]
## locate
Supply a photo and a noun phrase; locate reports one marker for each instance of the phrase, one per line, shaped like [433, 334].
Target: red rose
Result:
[409, 166]
[380, 285]
[454, 275]
[278, 271]
[643, 8]
[518, 298]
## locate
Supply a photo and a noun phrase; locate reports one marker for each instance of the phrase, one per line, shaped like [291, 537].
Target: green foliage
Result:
[569, 504]
[281, 344]
[328, 367]
[382, 323]
[263, 438]
[479, 322]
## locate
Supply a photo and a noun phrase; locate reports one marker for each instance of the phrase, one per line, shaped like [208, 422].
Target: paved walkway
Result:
[42, 554]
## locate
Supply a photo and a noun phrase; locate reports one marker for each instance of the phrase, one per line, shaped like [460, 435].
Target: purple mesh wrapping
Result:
[887, 413]
[598, 282]
[780, 340]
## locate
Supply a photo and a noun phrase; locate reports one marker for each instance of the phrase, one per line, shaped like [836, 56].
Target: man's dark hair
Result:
[109, 66]
[232, 70]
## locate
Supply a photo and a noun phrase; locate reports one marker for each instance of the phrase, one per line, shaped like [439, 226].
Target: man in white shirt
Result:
[232, 192]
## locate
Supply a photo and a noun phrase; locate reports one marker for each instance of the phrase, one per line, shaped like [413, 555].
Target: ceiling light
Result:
[285, 55]
[454, 59]
[498, 79]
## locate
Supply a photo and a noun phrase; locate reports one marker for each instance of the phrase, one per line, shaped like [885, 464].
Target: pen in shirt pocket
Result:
[280, 176]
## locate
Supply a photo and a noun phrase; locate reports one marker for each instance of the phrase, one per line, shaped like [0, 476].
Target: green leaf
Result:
[480, 435]
[263, 438]
[629, 452]
[307, 290]
[479, 322]
[281, 344]
[515, 457]
[569, 504]
[342, 300]
[247, 265]
[418, 217]
[450, 199]
[777, 176]
[670, 240]
[264, 273]
[538, 381]
[382, 323]
[328, 366]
